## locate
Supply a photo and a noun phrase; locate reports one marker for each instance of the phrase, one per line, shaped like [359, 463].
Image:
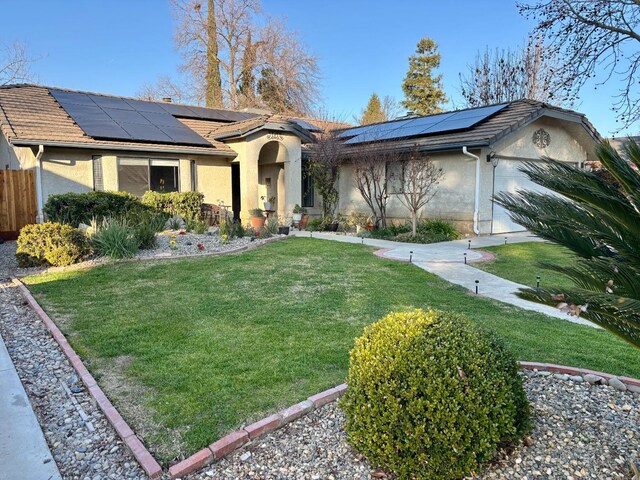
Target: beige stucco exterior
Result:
[270, 165]
[454, 200]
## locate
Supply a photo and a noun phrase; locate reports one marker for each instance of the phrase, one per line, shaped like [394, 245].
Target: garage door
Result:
[509, 179]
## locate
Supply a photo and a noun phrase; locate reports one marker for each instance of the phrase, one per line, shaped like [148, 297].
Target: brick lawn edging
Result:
[239, 438]
[485, 257]
[149, 464]
[247, 434]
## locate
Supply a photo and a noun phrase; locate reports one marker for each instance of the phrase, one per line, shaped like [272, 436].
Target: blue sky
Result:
[116, 46]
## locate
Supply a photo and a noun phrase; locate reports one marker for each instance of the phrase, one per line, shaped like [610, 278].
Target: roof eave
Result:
[135, 148]
[280, 127]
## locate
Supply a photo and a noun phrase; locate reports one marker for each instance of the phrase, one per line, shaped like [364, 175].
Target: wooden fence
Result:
[18, 205]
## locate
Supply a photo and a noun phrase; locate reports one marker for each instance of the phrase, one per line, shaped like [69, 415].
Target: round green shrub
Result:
[431, 396]
[51, 244]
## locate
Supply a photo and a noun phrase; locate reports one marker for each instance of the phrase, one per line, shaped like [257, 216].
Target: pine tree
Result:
[248, 80]
[373, 113]
[423, 92]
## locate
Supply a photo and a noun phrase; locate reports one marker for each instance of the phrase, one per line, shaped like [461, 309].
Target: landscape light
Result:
[477, 282]
[538, 281]
[465, 258]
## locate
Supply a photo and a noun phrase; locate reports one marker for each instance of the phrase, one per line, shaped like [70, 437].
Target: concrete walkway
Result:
[24, 454]
[446, 259]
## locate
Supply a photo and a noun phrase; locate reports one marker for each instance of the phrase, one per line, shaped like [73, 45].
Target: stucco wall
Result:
[66, 170]
[213, 179]
[252, 176]
[453, 200]
[15, 158]
[563, 146]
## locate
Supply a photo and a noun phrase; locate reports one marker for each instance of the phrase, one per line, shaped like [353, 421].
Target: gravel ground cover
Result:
[187, 244]
[581, 431]
[83, 443]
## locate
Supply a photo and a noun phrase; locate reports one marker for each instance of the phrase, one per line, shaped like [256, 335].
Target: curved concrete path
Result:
[446, 259]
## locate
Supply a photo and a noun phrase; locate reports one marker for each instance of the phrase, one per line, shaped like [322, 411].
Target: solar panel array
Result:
[117, 118]
[411, 127]
[306, 125]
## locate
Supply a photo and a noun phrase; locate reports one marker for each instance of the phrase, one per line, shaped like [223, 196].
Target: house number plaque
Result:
[275, 136]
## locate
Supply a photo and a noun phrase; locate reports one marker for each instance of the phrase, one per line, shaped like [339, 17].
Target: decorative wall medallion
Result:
[541, 138]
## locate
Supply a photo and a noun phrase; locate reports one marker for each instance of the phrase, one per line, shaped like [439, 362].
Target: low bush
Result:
[115, 238]
[187, 205]
[52, 244]
[438, 227]
[316, 224]
[145, 225]
[431, 396]
[77, 208]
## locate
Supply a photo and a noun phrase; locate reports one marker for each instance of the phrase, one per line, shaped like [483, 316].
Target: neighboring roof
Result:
[514, 116]
[618, 142]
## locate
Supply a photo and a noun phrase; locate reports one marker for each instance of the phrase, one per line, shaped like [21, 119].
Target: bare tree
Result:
[594, 36]
[419, 180]
[230, 61]
[325, 158]
[165, 87]
[290, 76]
[370, 176]
[15, 64]
[531, 71]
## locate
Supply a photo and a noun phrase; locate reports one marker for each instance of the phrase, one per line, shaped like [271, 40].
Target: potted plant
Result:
[298, 211]
[268, 203]
[257, 218]
[331, 224]
[284, 225]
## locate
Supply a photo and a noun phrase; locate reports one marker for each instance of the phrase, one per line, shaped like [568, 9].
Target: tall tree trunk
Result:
[213, 95]
[414, 221]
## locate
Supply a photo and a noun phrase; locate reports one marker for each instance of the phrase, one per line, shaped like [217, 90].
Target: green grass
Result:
[520, 263]
[204, 345]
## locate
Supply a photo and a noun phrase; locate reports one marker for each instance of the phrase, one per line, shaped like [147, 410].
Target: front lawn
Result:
[188, 350]
[520, 263]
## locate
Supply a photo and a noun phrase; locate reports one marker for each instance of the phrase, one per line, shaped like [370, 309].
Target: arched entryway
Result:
[272, 159]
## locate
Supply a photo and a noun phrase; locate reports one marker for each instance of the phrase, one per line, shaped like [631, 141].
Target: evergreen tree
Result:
[423, 92]
[213, 95]
[373, 112]
[248, 80]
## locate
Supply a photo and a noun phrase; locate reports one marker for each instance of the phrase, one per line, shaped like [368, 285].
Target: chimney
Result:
[167, 99]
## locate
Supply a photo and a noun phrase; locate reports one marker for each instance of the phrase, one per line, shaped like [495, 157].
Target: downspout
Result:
[476, 205]
[40, 217]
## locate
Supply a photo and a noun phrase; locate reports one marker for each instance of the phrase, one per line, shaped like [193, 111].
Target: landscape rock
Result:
[616, 383]
[594, 379]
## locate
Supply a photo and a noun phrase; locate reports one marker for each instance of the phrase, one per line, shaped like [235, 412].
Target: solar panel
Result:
[131, 120]
[438, 123]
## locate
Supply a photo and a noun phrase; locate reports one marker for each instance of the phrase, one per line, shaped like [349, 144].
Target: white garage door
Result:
[509, 179]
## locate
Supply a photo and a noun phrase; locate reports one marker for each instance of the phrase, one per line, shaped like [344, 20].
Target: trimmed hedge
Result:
[77, 208]
[187, 205]
[431, 396]
[52, 244]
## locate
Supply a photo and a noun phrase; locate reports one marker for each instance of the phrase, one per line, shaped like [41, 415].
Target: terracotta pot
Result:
[257, 222]
[304, 221]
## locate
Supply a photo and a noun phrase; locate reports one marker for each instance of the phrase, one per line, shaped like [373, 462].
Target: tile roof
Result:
[516, 115]
[30, 115]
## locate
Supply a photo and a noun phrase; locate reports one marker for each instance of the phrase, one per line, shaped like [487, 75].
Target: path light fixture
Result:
[362, 240]
[465, 258]
[410, 255]
[477, 282]
[538, 282]
[505, 240]
[311, 234]
[469, 247]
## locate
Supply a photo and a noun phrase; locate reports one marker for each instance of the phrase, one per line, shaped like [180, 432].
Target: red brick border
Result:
[550, 367]
[151, 467]
[246, 435]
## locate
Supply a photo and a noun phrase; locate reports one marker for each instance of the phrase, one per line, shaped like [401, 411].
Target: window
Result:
[395, 177]
[137, 175]
[308, 193]
[98, 179]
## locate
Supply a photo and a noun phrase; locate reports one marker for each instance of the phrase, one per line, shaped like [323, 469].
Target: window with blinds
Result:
[138, 175]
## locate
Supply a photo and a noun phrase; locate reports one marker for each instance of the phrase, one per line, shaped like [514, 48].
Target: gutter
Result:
[476, 206]
[40, 216]
[133, 148]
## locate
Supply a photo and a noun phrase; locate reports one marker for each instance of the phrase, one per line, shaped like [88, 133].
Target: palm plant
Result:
[599, 220]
